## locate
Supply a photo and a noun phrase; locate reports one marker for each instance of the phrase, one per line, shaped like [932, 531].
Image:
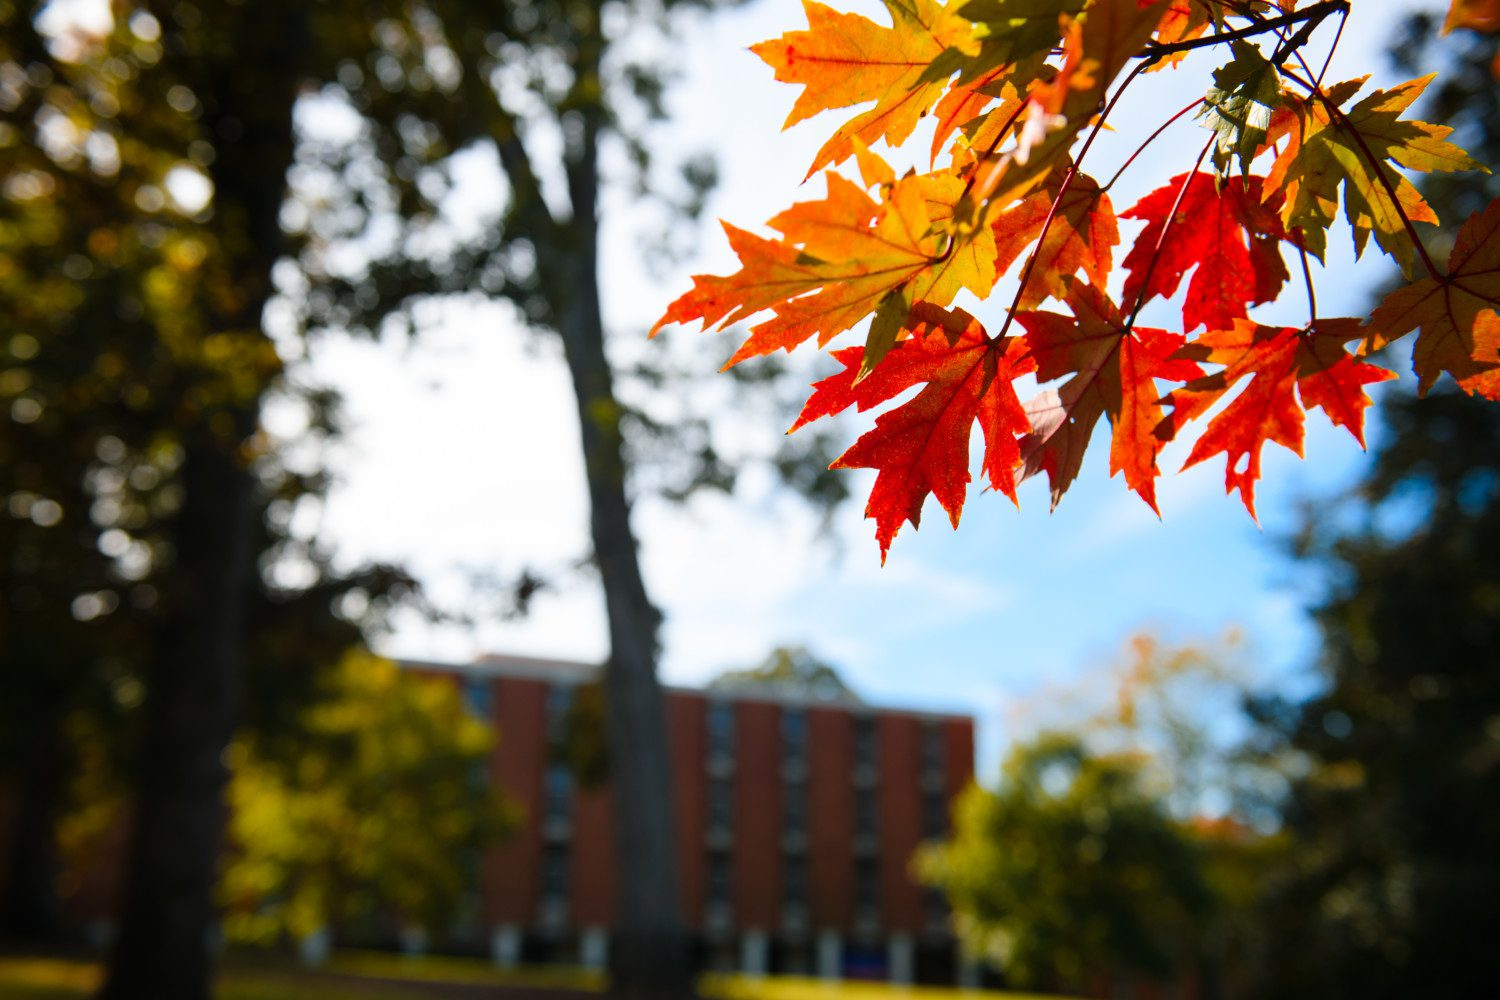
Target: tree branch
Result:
[501, 125]
[1313, 14]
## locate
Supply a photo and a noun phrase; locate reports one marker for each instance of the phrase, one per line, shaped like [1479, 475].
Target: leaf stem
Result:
[1337, 36]
[1312, 298]
[1062, 190]
[1149, 140]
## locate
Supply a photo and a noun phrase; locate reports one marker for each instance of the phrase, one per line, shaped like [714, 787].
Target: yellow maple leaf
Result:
[845, 59]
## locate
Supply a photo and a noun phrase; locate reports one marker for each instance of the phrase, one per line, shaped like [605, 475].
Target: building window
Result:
[559, 701]
[865, 746]
[794, 736]
[932, 748]
[721, 729]
[794, 872]
[794, 808]
[479, 696]
[718, 878]
[864, 812]
[558, 806]
[935, 906]
[866, 883]
[554, 872]
[720, 804]
[934, 815]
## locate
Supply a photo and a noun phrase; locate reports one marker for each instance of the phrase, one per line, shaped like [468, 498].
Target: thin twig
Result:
[1328, 59]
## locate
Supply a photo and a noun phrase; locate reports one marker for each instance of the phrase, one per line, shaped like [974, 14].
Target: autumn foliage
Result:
[1017, 91]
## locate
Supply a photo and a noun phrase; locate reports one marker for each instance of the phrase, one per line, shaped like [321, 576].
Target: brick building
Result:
[796, 824]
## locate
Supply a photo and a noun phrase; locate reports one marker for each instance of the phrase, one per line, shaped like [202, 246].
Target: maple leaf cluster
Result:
[1018, 90]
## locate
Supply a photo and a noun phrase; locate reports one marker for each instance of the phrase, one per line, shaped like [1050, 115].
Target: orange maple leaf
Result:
[1182, 21]
[1354, 150]
[840, 260]
[1460, 330]
[967, 100]
[922, 446]
[1083, 235]
[1059, 106]
[1283, 364]
[1476, 15]
[1113, 367]
[846, 59]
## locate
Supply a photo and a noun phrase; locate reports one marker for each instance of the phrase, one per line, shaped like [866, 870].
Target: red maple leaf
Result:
[1114, 368]
[922, 446]
[1283, 364]
[1222, 230]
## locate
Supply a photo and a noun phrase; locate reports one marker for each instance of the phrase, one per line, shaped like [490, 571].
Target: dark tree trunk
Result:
[164, 948]
[246, 75]
[648, 959]
[29, 905]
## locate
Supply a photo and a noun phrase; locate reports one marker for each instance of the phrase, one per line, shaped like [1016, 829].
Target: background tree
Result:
[144, 171]
[1071, 869]
[789, 670]
[375, 807]
[1168, 715]
[178, 141]
[562, 91]
[1178, 706]
[70, 381]
[1396, 818]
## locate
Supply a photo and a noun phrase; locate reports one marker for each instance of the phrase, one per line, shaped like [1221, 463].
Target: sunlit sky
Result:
[463, 457]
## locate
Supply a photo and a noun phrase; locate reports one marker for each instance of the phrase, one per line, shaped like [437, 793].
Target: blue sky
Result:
[464, 457]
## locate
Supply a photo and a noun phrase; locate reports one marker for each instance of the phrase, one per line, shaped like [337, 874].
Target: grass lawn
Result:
[790, 988]
[75, 979]
[362, 975]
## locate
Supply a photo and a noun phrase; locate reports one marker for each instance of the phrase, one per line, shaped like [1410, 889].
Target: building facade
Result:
[796, 823]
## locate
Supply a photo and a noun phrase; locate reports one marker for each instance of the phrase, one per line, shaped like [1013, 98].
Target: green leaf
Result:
[1239, 105]
[1355, 150]
[890, 317]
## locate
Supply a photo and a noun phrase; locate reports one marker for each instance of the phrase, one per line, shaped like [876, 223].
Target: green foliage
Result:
[583, 741]
[789, 670]
[380, 807]
[1239, 105]
[1396, 875]
[1392, 888]
[1071, 867]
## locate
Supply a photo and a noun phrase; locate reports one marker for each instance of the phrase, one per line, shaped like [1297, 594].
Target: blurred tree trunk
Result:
[245, 70]
[649, 957]
[28, 904]
[164, 948]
